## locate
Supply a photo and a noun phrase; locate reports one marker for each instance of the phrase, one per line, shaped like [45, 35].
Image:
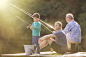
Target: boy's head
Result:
[36, 17]
[58, 25]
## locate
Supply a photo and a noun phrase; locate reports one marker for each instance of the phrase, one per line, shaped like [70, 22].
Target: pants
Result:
[35, 41]
[69, 41]
[57, 47]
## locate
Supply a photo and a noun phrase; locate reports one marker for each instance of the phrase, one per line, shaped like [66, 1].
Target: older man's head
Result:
[69, 17]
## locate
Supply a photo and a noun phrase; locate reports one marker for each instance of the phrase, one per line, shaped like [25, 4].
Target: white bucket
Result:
[29, 49]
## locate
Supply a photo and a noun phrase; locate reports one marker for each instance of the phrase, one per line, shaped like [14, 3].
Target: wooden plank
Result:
[47, 54]
[78, 54]
[43, 54]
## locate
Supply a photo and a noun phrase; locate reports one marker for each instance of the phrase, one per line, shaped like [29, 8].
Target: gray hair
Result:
[69, 15]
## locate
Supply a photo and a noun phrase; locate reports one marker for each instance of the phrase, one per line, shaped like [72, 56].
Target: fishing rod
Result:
[22, 20]
[30, 24]
[47, 24]
[31, 16]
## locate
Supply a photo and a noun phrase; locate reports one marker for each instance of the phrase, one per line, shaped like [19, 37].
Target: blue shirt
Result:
[73, 28]
[60, 39]
[36, 29]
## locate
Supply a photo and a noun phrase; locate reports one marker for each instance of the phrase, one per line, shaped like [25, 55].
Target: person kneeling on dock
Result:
[59, 44]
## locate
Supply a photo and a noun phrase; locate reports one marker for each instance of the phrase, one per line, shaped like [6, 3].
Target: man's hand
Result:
[52, 39]
[40, 41]
[54, 31]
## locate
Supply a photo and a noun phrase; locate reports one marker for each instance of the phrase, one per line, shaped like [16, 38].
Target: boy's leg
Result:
[37, 45]
[35, 42]
[38, 49]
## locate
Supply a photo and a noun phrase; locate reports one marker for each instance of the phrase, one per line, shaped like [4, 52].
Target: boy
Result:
[35, 27]
[59, 44]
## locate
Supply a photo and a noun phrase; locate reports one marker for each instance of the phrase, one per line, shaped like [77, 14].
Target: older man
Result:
[72, 30]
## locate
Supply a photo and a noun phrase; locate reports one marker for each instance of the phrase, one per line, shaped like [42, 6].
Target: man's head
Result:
[58, 25]
[69, 17]
[36, 17]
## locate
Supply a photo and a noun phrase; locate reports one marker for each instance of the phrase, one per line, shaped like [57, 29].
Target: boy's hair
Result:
[36, 15]
[60, 23]
[69, 15]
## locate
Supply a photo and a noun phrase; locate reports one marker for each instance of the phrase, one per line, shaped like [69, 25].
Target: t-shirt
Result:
[60, 39]
[36, 29]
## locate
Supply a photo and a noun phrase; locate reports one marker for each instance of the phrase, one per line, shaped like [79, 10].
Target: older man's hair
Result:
[69, 15]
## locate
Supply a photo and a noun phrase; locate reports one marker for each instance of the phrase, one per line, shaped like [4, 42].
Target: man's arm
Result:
[47, 37]
[67, 29]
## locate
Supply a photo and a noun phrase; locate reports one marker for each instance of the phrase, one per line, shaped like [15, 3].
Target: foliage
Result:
[82, 18]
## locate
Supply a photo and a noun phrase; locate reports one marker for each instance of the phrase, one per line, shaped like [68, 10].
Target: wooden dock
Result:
[46, 54]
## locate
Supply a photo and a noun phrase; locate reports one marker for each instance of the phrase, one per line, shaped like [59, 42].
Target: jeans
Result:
[35, 42]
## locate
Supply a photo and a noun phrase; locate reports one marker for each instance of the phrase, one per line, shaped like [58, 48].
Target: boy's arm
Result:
[31, 26]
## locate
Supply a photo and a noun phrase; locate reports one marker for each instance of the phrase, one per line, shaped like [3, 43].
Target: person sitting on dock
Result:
[72, 31]
[59, 44]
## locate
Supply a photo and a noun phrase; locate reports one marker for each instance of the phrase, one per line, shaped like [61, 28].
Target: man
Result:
[60, 42]
[72, 31]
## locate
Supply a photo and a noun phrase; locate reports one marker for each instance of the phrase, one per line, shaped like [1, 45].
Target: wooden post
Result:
[74, 47]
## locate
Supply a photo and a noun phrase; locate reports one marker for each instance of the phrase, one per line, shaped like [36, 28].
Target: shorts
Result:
[69, 39]
[56, 47]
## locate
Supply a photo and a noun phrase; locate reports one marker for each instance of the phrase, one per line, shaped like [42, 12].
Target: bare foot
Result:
[51, 49]
[69, 48]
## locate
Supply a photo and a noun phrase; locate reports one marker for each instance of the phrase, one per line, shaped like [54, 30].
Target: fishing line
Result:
[22, 19]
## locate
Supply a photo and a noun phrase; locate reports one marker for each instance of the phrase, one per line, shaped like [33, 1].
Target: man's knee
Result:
[50, 41]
